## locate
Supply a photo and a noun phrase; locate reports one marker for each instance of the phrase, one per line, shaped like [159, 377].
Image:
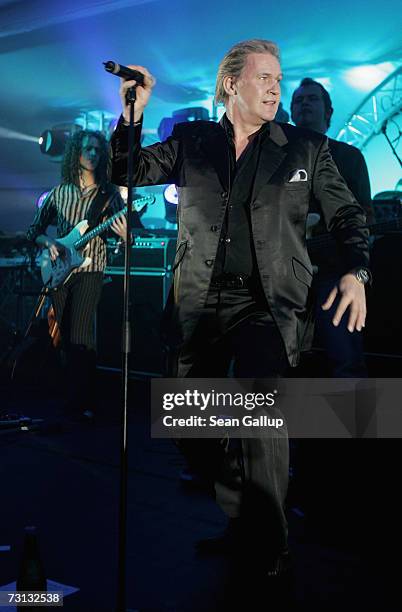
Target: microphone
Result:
[128, 74]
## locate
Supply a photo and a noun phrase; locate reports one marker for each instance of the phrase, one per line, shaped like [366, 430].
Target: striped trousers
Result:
[75, 305]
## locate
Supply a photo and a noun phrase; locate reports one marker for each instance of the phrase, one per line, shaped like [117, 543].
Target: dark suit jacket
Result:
[196, 159]
[353, 169]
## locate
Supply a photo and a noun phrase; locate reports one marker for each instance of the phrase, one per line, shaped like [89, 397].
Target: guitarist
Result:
[311, 108]
[84, 193]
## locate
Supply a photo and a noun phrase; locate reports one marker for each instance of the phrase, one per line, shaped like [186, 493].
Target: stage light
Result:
[171, 199]
[41, 199]
[13, 135]
[52, 142]
[195, 113]
[170, 194]
[366, 78]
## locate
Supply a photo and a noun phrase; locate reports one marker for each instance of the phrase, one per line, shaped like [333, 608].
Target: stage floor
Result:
[64, 478]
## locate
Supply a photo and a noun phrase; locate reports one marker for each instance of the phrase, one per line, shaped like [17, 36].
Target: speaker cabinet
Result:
[148, 293]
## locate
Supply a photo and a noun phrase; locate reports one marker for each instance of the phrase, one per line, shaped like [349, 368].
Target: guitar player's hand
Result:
[119, 226]
[56, 250]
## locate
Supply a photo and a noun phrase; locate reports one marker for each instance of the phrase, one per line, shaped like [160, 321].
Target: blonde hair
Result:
[234, 61]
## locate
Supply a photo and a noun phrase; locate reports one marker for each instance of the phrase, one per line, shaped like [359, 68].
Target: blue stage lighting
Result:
[366, 78]
[41, 199]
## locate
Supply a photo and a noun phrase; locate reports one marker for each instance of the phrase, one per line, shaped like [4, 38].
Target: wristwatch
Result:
[363, 275]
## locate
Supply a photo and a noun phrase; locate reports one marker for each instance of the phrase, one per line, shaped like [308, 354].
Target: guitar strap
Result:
[98, 205]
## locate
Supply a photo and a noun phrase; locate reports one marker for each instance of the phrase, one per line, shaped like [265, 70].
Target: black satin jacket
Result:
[295, 166]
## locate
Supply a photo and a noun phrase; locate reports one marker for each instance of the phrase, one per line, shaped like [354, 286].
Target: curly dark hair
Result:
[70, 168]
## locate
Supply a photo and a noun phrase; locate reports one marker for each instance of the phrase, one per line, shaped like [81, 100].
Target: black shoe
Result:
[228, 542]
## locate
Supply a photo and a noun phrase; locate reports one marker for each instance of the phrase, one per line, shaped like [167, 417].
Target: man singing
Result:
[242, 273]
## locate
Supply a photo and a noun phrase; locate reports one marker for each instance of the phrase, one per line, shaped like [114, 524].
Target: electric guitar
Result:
[55, 273]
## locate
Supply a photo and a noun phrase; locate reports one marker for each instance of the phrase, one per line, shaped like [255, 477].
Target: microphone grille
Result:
[111, 67]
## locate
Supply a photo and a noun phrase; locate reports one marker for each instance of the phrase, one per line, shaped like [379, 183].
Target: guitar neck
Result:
[81, 242]
[137, 205]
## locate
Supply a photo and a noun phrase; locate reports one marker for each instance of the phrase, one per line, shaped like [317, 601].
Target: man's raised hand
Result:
[143, 93]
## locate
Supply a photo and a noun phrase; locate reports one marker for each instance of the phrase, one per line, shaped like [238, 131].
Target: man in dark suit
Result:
[311, 108]
[242, 273]
[342, 477]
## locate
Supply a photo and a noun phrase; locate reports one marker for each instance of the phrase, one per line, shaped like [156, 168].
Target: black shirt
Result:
[236, 253]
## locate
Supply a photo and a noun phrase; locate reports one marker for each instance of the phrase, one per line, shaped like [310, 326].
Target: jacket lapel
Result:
[272, 154]
[217, 150]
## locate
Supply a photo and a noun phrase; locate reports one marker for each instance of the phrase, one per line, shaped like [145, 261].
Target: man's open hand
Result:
[353, 296]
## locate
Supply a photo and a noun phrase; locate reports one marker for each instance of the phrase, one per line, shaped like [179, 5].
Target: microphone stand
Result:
[126, 349]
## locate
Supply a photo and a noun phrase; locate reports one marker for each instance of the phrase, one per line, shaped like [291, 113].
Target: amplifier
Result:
[146, 252]
[148, 293]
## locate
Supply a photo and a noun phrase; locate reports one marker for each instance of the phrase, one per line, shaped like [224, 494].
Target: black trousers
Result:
[75, 305]
[251, 475]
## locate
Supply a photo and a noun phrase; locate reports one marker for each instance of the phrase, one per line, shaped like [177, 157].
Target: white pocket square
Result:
[296, 176]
